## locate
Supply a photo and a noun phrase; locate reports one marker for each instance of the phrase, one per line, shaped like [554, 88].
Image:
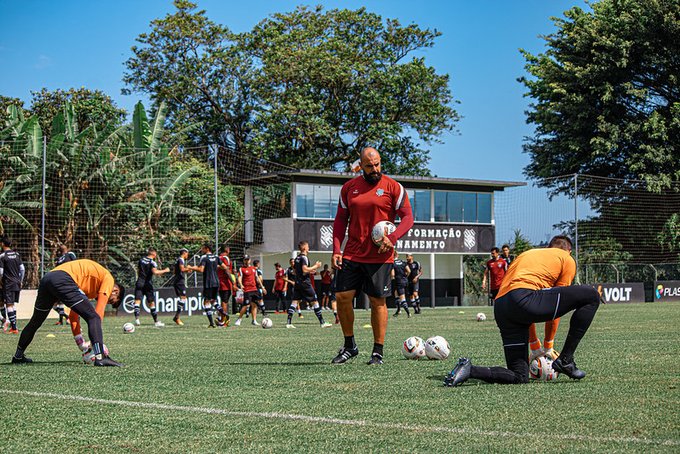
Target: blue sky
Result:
[64, 44]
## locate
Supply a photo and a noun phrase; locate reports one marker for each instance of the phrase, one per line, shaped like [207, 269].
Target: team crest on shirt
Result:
[380, 192]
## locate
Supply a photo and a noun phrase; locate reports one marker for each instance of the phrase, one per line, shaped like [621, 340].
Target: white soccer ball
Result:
[437, 347]
[413, 348]
[378, 231]
[481, 317]
[88, 356]
[128, 328]
[267, 323]
[541, 369]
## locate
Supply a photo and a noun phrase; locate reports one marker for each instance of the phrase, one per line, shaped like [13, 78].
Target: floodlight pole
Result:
[42, 215]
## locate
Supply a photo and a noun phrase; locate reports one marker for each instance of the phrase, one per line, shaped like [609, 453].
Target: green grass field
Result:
[190, 389]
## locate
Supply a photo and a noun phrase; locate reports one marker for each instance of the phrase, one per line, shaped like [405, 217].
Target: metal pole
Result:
[576, 220]
[214, 149]
[42, 216]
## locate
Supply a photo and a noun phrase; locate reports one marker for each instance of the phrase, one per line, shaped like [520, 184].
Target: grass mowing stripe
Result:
[338, 421]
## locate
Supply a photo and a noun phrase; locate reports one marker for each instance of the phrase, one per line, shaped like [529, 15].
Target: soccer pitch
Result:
[190, 389]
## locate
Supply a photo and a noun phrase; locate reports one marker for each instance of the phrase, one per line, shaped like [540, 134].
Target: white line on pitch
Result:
[344, 422]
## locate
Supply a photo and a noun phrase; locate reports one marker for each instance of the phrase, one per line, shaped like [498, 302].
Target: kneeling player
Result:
[535, 289]
[74, 284]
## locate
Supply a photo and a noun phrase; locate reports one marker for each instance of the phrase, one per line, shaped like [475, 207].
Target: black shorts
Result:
[325, 289]
[11, 296]
[400, 287]
[251, 297]
[144, 290]
[374, 279]
[180, 290]
[413, 287]
[58, 286]
[304, 293]
[210, 293]
[225, 295]
[493, 293]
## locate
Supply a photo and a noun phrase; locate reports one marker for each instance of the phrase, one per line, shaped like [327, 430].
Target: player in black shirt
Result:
[211, 282]
[414, 283]
[147, 268]
[303, 290]
[66, 256]
[179, 270]
[505, 255]
[290, 279]
[12, 273]
[400, 273]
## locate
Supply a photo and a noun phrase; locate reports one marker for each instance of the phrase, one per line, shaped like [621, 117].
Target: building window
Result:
[316, 201]
[484, 208]
[420, 204]
[472, 207]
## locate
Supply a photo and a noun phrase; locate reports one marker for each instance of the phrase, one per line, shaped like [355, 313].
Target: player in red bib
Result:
[495, 271]
[225, 272]
[250, 284]
[364, 201]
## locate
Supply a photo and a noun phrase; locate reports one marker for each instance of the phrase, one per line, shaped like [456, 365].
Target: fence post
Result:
[576, 223]
[42, 214]
[217, 233]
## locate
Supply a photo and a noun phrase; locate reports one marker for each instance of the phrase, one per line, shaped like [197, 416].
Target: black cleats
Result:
[375, 359]
[22, 360]
[569, 369]
[345, 354]
[460, 374]
[106, 361]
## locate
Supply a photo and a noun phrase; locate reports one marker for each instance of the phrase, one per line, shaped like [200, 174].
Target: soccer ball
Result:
[88, 356]
[481, 317]
[128, 328]
[378, 231]
[437, 348]
[541, 369]
[267, 323]
[413, 348]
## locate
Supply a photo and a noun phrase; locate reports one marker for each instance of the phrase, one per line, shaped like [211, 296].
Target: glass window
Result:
[484, 208]
[440, 214]
[455, 206]
[420, 201]
[470, 207]
[304, 199]
[317, 201]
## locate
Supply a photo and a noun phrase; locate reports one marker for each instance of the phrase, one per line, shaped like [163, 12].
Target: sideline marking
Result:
[344, 422]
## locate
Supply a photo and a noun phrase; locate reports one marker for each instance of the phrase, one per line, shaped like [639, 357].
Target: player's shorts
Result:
[251, 297]
[144, 290]
[325, 289]
[413, 287]
[374, 279]
[58, 286]
[493, 293]
[210, 293]
[304, 293]
[11, 296]
[400, 287]
[180, 289]
[225, 295]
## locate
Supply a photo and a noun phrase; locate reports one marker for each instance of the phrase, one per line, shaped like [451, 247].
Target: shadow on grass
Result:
[41, 363]
[255, 363]
[475, 382]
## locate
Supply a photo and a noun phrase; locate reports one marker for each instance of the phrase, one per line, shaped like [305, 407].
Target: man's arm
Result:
[339, 230]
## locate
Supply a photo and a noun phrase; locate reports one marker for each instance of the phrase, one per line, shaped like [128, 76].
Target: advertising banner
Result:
[629, 292]
[166, 301]
[667, 291]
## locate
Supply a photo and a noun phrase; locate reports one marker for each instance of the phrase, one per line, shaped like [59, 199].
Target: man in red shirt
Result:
[225, 273]
[495, 270]
[250, 284]
[279, 288]
[325, 287]
[364, 201]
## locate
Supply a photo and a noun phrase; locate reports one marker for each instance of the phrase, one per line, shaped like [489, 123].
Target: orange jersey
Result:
[94, 280]
[539, 268]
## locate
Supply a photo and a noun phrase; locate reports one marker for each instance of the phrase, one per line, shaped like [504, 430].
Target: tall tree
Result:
[607, 94]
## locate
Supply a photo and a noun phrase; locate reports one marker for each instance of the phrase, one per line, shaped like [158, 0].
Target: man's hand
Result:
[336, 261]
[317, 265]
[386, 244]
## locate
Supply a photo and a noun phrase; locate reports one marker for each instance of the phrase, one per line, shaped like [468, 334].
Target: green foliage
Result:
[519, 243]
[308, 88]
[669, 238]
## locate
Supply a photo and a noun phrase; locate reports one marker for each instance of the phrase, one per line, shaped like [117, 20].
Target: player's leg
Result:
[260, 305]
[150, 295]
[181, 305]
[59, 309]
[94, 331]
[139, 294]
[43, 304]
[319, 314]
[245, 305]
[11, 312]
[377, 285]
[3, 311]
[208, 306]
[253, 309]
[291, 311]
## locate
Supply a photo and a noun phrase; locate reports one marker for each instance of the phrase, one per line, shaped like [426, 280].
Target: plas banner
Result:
[667, 291]
[630, 292]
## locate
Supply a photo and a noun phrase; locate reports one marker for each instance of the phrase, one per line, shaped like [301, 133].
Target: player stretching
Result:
[147, 268]
[536, 288]
[74, 284]
[66, 256]
[249, 284]
[364, 201]
[413, 283]
[303, 290]
[400, 271]
[208, 266]
[179, 283]
[12, 273]
[225, 274]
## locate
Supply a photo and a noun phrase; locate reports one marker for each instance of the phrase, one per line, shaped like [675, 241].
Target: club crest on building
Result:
[469, 238]
[326, 235]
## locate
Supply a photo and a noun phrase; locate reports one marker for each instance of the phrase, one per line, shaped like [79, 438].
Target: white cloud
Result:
[43, 62]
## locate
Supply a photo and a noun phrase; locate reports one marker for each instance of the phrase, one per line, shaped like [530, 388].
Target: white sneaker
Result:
[159, 324]
[254, 323]
[137, 322]
[289, 326]
[238, 322]
[325, 325]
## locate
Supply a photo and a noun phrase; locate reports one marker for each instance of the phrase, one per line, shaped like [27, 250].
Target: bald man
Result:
[364, 201]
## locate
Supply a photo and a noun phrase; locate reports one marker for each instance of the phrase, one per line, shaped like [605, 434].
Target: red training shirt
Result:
[497, 269]
[279, 283]
[248, 278]
[223, 276]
